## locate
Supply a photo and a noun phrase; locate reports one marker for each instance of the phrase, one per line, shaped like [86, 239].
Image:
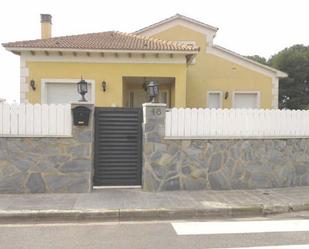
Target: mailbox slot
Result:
[81, 116]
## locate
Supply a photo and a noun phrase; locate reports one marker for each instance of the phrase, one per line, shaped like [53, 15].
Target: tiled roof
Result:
[110, 40]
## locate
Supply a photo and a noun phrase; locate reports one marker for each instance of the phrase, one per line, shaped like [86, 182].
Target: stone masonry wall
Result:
[49, 164]
[219, 164]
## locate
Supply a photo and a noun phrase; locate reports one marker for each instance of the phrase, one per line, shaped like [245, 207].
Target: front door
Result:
[118, 146]
[137, 98]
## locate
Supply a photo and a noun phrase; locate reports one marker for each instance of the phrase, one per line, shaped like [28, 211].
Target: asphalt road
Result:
[159, 235]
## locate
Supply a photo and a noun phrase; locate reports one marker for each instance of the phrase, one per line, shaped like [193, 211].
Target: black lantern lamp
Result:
[104, 85]
[82, 89]
[153, 90]
[32, 84]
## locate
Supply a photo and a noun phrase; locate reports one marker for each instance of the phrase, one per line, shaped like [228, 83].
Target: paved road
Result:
[248, 233]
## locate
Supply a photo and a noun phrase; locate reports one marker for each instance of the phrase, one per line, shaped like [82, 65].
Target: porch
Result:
[135, 93]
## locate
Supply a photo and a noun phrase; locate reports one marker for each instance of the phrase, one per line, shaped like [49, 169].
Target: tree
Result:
[258, 59]
[293, 90]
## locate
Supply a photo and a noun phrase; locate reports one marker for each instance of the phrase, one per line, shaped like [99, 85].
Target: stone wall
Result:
[219, 164]
[49, 164]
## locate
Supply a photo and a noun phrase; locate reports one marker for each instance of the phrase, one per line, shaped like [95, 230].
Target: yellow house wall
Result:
[111, 73]
[212, 73]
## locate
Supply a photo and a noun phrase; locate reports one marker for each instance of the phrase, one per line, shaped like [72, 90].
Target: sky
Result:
[248, 27]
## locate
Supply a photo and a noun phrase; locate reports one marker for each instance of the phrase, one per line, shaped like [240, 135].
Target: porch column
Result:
[181, 90]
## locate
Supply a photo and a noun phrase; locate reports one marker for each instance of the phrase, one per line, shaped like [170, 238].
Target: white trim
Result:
[117, 187]
[177, 17]
[73, 81]
[221, 98]
[240, 227]
[258, 100]
[108, 58]
[23, 86]
[238, 59]
[20, 49]
[154, 104]
[275, 247]
[275, 93]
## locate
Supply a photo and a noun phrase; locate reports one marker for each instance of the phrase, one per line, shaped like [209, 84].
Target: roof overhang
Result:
[19, 49]
[170, 55]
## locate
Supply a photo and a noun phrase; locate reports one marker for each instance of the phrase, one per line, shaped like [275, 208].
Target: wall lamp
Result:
[226, 95]
[153, 90]
[104, 85]
[82, 89]
[32, 84]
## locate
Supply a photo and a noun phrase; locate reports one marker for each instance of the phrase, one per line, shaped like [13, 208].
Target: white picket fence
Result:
[27, 120]
[236, 123]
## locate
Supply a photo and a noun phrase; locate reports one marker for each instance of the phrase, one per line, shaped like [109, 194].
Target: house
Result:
[177, 52]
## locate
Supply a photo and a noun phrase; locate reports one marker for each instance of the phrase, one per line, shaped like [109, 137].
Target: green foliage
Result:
[293, 90]
[258, 59]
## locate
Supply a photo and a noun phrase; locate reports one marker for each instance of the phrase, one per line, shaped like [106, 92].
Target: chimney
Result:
[46, 24]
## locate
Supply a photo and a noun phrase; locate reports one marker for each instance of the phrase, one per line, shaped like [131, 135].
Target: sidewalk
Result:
[134, 204]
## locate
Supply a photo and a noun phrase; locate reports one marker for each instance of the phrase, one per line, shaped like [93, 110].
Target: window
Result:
[64, 91]
[246, 100]
[214, 99]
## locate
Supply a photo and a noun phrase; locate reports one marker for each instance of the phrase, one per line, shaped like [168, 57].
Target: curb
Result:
[116, 215]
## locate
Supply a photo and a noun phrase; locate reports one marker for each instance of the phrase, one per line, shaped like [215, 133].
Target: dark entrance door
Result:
[118, 146]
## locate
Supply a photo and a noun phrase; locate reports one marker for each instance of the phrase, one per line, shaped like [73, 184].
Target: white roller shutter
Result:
[245, 100]
[214, 100]
[63, 93]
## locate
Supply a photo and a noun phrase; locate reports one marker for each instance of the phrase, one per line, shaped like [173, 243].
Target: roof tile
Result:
[111, 40]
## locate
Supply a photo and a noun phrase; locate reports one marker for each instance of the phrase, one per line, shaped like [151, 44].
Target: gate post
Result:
[154, 132]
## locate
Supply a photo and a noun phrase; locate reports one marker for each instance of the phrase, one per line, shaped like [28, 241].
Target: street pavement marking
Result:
[228, 227]
[272, 247]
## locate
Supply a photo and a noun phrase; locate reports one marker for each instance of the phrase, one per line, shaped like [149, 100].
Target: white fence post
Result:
[21, 119]
[45, 116]
[29, 119]
[6, 120]
[14, 119]
[35, 120]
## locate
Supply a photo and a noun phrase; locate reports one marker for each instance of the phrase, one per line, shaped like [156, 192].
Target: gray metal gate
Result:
[118, 146]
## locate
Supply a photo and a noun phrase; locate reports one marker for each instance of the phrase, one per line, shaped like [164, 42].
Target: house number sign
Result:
[156, 111]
